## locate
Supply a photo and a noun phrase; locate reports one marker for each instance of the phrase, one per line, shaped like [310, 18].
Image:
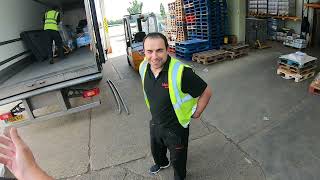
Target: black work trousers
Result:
[176, 140]
[54, 36]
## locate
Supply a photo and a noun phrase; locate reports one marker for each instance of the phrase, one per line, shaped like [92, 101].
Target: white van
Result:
[26, 84]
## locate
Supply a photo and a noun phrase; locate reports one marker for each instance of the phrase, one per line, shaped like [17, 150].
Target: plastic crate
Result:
[83, 40]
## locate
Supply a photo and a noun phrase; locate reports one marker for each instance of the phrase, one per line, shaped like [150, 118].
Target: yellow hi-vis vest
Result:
[183, 104]
[50, 22]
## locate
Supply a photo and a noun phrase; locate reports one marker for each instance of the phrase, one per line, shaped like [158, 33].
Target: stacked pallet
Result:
[186, 49]
[211, 56]
[236, 51]
[206, 20]
[180, 21]
[171, 30]
[314, 87]
[298, 66]
[171, 22]
[172, 47]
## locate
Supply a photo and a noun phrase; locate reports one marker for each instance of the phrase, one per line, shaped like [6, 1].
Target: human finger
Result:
[7, 142]
[5, 161]
[7, 152]
[16, 139]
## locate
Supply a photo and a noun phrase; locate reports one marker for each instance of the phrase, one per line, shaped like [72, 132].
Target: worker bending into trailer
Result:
[51, 26]
[174, 94]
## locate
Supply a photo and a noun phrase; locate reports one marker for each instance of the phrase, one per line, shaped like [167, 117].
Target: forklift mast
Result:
[139, 24]
[138, 19]
[145, 23]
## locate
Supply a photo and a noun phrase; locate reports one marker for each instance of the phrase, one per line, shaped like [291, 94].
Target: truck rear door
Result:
[93, 18]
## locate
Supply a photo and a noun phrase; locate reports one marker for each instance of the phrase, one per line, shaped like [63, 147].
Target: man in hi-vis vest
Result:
[51, 26]
[174, 94]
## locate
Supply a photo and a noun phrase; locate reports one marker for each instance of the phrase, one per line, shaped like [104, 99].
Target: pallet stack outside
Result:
[201, 25]
[171, 30]
[206, 20]
[298, 66]
[180, 21]
[186, 49]
[172, 47]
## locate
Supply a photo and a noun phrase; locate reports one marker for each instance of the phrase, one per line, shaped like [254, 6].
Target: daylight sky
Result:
[119, 7]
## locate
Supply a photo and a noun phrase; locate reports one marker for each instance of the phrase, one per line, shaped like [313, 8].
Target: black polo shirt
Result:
[157, 91]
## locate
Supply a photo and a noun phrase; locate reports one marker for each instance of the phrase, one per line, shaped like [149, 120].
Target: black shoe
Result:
[51, 61]
[156, 168]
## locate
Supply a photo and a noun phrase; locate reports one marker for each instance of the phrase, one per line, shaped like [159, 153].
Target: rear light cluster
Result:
[91, 93]
[6, 116]
[85, 94]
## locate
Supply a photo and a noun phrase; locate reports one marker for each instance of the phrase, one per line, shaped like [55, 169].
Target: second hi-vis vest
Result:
[51, 18]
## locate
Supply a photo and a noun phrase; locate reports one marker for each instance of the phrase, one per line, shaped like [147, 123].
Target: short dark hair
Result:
[157, 35]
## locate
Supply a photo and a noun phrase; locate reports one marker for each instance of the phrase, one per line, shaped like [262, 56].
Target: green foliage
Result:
[135, 7]
[113, 22]
[162, 11]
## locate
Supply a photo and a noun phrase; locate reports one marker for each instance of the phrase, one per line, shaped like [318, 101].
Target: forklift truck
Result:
[136, 27]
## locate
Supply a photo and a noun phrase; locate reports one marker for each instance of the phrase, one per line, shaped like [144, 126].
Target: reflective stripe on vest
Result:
[184, 104]
[142, 71]
[179, 100]
[51, 19]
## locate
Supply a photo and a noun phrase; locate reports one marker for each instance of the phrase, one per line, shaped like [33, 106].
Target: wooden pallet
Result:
[173, 46]
[179, 4]
[236, 51]
[172, 6]
[181, 39]
[240, 53]
[181, 36]
[314, 88]
[189, 5]
[296, 64]
[296, 69]
[171, 24]
[237, 47]
[180, 17]
[172, 50]
[210, 57]
[297, 77]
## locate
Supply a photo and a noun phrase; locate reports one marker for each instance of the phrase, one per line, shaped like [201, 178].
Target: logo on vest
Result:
[165, 85]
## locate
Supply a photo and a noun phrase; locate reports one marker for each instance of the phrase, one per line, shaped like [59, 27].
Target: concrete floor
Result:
[258, 126]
